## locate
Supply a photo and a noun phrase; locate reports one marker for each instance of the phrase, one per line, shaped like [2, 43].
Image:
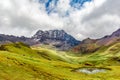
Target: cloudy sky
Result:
[93, 19]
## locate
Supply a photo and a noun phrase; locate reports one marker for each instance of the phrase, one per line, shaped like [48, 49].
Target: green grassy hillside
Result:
[20, 62]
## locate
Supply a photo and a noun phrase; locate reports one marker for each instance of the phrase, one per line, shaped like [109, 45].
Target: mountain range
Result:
[91, 45]
[63, 41]
[57, 38]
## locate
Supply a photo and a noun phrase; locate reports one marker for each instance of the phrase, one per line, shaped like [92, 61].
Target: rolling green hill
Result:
[21, 62]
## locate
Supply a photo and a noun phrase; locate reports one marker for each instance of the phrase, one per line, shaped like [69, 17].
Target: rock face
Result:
[116, 33]
[107, 40]
[57, 38]
[91, 45]
[11, 38]
[86, 46]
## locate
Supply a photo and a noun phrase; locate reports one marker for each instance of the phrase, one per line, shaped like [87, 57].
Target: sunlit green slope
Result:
[20, 62]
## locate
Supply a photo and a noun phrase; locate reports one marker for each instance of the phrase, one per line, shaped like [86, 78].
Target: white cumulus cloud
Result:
[95, 19]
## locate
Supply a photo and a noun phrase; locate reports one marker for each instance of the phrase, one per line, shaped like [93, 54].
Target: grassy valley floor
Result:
[20, 62]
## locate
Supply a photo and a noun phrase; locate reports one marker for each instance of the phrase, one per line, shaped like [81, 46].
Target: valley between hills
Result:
[56, 55]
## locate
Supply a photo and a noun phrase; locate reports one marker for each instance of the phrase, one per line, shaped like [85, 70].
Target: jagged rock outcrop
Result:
[57, 38]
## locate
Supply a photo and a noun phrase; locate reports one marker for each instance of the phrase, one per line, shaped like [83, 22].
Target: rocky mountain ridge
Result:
[57, 38]
[63, 41]
[91, 45]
